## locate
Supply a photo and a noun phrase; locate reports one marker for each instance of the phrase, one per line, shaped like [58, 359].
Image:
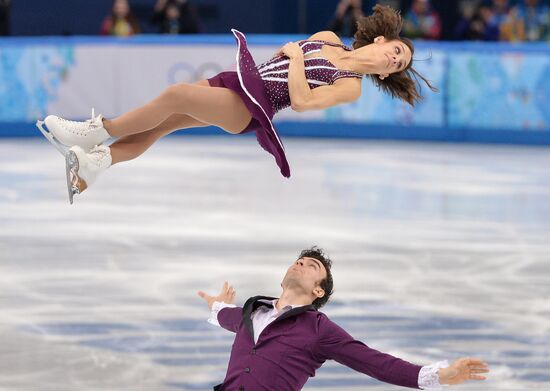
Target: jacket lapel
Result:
[254, 302]
[249, 307]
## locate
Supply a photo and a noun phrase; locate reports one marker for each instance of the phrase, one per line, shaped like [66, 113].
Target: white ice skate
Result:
[63, 133]
[83, 168]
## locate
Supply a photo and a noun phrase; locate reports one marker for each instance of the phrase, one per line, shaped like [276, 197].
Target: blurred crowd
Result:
[170, 16]
[504, 20]
[487, 20]
[5, 17]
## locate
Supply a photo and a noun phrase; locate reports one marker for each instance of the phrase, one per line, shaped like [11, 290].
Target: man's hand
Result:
[463, 369]
[227, 295]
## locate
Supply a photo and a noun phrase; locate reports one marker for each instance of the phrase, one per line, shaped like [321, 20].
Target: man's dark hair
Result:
[327, 284]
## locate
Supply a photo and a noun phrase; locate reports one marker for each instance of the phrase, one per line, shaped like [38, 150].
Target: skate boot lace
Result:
[83, 128]
[100, 155]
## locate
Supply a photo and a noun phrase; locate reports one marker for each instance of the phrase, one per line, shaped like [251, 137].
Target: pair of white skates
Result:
[81, 145]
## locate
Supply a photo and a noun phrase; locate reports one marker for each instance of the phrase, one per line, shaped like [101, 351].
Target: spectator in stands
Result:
[534, 19]
[121, 22]
[5, 17]
[503, 24]
[422, 21]
[176, 17]
[493, 17]
[464, 29]
[501, 11]
[481, 22]
[348, 12]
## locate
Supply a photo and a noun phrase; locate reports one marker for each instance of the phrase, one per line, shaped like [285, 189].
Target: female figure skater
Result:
[314, 74]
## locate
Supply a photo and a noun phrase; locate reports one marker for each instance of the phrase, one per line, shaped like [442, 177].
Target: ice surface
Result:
[439, 251]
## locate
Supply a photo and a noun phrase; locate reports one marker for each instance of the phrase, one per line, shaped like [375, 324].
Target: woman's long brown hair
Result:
[387, 22]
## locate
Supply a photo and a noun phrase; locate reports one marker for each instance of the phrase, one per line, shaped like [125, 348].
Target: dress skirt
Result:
[248, 84]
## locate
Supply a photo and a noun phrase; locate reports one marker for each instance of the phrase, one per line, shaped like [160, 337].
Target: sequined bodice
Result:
[319, 72]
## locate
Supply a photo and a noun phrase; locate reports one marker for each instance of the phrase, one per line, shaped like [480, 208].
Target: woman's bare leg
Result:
[130, 147]
[210, 105]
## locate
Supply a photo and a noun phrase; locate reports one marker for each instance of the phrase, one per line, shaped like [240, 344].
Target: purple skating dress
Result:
[264, 89]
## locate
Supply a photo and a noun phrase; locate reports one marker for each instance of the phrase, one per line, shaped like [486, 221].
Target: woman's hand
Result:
[227, 295]
[291, 50]
[463, 369]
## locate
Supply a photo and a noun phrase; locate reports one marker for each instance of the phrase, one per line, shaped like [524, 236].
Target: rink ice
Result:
[440, 251]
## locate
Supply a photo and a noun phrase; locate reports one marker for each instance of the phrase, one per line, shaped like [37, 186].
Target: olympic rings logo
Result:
[182, 72]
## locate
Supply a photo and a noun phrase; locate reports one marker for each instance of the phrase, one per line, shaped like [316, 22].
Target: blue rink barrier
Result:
[347, 130]
[489, 92]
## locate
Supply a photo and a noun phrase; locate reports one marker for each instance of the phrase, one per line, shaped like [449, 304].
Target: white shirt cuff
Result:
[217, 306]
[428, 378]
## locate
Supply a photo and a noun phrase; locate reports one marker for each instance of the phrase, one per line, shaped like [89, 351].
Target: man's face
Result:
[304, 275]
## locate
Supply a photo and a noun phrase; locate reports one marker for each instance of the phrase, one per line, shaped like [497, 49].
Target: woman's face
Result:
[391, 56]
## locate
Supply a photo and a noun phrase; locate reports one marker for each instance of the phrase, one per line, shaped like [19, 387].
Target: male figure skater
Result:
[281, 342]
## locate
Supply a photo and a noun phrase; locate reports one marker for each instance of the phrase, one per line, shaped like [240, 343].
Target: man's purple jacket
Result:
[294, 346]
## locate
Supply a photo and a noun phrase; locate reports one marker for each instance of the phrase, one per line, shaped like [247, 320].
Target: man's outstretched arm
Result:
[223, 310]
[336, 344]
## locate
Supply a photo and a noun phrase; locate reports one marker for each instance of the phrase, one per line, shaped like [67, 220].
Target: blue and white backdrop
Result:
[492, 92]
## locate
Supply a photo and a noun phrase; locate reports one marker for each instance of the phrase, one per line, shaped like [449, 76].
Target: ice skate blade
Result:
[63, 149]
[74, 183]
